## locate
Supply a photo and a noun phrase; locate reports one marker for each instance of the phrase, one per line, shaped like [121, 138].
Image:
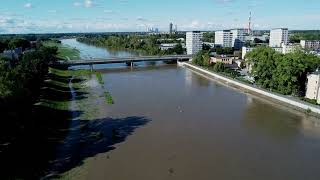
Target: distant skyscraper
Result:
[278, 37]
[170, 28]
[194, 42]
[176, 28]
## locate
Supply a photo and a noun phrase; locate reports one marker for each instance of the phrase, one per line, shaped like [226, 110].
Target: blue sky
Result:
[53, 16]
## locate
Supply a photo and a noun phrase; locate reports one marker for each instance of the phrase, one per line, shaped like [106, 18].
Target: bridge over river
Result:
[127, 60]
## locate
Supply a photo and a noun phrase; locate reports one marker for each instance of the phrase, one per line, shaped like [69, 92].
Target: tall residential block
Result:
[238, 38]
[194, 42]
[223, 38]
[278, 37]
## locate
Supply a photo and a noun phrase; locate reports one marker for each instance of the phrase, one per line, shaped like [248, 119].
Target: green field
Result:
[64, 52]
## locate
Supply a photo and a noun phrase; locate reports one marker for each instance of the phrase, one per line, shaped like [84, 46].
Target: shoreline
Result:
[289, 102]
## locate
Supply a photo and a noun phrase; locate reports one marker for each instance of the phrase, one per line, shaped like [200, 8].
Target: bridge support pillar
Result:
[131, 64]
[91, 67]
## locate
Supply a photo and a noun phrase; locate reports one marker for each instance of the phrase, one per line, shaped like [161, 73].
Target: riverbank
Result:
[87, 105]
[64, 52]
[289, 101]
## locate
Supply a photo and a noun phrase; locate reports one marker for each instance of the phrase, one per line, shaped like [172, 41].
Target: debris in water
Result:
[171, 170]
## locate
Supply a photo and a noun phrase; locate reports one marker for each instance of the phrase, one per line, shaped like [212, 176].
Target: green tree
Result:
[209, 37]
[202, 58]
[206, 59]
[3, 46]
[198, 59]
[19, 42]
[225, 51]
[263, 61]
[219, 67]
[286, 74]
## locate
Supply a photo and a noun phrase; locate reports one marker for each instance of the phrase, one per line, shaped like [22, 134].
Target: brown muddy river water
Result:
[200, 129]
[176, 124]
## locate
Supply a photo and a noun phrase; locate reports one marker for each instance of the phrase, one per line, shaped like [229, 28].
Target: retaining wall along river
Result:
[285, 99]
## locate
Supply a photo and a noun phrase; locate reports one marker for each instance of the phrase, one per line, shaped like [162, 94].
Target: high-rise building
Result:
[170, 28]
[238, 38]
[278, 37]
[194, 42]
[313, 87]
[223, 38]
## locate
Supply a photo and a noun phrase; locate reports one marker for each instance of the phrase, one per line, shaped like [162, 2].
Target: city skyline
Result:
[38, 16]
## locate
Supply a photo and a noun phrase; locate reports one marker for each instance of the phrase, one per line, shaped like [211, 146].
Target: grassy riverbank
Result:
[64, 52]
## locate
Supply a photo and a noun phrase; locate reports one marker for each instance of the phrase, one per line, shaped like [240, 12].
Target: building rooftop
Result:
[194, 32]
[280, 28]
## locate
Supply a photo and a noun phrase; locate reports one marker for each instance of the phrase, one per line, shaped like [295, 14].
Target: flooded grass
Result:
[108, 98]
[107, 95]
[99, 78]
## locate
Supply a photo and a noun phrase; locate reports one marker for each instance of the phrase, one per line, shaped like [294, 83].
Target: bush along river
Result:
[168, 122]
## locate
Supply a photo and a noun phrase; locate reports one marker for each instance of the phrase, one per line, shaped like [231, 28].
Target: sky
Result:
[56, 16]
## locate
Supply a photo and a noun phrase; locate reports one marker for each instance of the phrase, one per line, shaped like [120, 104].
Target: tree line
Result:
[283, 73]
[21, 80]
[296, 36]
[148, 45]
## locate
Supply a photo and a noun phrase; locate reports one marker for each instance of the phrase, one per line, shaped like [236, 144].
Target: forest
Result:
[146, 45]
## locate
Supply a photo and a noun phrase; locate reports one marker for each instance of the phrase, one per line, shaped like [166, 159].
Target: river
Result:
[88, 52]
[169, 122]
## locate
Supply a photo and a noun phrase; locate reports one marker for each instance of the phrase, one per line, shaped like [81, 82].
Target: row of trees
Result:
[20, 83]
[304, 35]
[209, 37]
[6, 44]
[145, 44]
[286, 74]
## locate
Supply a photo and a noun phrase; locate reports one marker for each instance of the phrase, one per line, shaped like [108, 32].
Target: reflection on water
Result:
[204, 130]
[282, 126]
[89, 52]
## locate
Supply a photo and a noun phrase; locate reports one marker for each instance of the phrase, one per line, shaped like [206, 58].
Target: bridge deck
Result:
[124, 60]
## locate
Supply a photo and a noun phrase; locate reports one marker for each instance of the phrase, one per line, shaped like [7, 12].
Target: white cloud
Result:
[85, 3]
[28, 5]
[77, 4]
[140, 18]
[88, 3]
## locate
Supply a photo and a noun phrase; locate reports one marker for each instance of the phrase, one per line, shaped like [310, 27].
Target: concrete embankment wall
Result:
[290, 101]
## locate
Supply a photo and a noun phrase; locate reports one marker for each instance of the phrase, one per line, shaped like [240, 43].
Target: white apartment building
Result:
[313, 87]
[278, 37]
[238, 38]
[310, 44]
[194, 42]
[223, 38]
